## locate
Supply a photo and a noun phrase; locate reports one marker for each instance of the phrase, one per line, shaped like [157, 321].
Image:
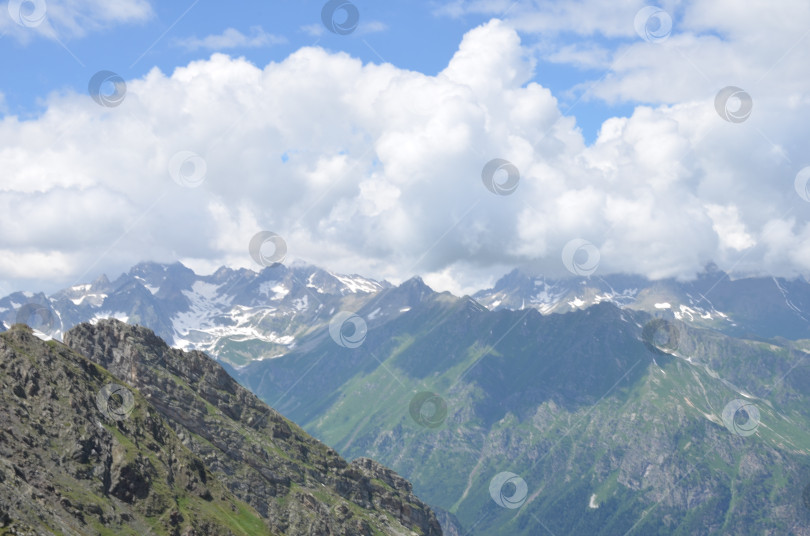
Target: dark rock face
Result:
[176, 446]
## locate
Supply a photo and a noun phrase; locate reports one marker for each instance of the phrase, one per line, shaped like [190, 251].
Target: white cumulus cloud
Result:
[378, 170]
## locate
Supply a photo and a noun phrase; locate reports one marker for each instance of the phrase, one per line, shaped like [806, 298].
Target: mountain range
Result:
[599, 405]
[240, 316]
[598, 421]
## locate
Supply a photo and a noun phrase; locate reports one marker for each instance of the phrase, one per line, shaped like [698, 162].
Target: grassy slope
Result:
[654, 451]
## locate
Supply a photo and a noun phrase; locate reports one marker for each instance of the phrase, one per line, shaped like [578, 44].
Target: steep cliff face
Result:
[114, 432]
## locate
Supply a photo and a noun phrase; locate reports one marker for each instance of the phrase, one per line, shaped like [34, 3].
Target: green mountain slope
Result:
[116, 433]
[605, 427]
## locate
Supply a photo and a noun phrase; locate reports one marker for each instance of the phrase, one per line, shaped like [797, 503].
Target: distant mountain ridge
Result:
[240, 316]
[237, 315]
[758, 306]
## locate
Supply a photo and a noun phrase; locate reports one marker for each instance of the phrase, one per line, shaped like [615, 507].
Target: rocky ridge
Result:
[114, 432]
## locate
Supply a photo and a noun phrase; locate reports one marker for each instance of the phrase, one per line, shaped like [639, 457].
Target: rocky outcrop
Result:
[115, 429]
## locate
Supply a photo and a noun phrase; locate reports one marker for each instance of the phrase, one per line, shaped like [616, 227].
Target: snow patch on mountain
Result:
[787, 299]
[576, 302]
[205, 303]
[41, 336]
[93, 299]
[548, 297]
[239, 324]
[274, 290]
[101, 315]
[301, 303]
[354, 284]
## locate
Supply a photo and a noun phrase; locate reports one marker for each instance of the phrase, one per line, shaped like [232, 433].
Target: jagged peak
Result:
[148, 267]
[110, 333]
[515, 276]
[159, 268]
[222, 270]
[711, 270]
[101, 282]
[273, 270]
[416, 283]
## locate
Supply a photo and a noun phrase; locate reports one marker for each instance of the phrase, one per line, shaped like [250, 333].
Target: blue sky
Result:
[366, 152]
[411, 35]
[416, 40]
